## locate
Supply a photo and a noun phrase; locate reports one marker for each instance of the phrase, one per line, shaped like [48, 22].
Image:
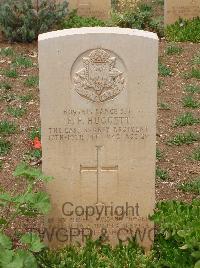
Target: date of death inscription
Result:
[97, 124]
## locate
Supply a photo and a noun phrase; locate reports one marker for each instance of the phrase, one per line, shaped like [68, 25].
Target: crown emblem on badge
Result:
[99, 80]
[99, 56]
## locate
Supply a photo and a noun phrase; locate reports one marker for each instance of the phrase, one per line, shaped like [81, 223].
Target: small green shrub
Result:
[22, 61]
[184, 138]
[16, 112]
[26, 98]
[35, 133]
[192, 89]
[5, 86]
[190, 102]
[7, 127]
[186, 119]
[184, 30]
[7, 52]
[75, 21]
[22, 22]
[164, 70]
[196, 154]
[196, 59]
[159, 154]
[32, 81]
[5, 147]
[194, 73]
[173, 49]
[162, 174]
[192, 186]
[28, 203]
[10, 73]
[178, 234]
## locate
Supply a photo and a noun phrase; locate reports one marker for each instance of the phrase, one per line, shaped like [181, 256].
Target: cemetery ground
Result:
[178, 151]
[178, 158]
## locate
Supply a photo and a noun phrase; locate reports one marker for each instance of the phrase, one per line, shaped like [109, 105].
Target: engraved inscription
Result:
[99, 80]
[118, 124]
[98, 169]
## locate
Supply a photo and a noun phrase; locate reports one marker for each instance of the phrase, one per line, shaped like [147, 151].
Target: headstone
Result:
[185, 9]
[91, 8]
[98, 112]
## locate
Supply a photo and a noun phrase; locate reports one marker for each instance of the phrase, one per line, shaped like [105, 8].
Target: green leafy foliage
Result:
[192, 89]
[159, 154]
[192, 186]
[7, 52]
[194, 73]
[75, 21]
[196, 154]
[173, 49]
[35, 133]
[7, 127]
[32, 81]
[184, 30]
[10, 73]
[21, 21]
[16, 112]
[164, 70]
[184, 138]
[179, 222]
[5, 86]
[5, 147]
[186, 119]
[22, 61]
[27, 203]
[162, 174]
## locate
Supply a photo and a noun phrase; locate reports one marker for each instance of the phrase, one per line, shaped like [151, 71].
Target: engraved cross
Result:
[98, 169]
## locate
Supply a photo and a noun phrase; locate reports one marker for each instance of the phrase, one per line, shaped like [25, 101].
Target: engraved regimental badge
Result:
[99, 80]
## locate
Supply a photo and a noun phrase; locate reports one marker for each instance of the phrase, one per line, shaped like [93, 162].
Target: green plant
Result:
[11, 73]
[179, 224]
[7, 127]
[184, 138]
[192, 89]
[22, 22]
[164, 106]
[164, 70]
[196, 59]
[28, 203]
[162, 174]
[7, 52]
[35, 133]
[22, 61]
[139, 17]
[75, 21]
[5, 86]
[189, 102]
[16, 112]
[5, 147]
[173, 49]
[159, 154]
[186, 119]
[26, 98]
[192, 186]
[184, 30]
[32, 81]
[194, 73]
[196, 154]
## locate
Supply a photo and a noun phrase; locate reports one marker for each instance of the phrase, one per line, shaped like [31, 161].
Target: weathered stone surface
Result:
[98, 112]
[186, 9]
